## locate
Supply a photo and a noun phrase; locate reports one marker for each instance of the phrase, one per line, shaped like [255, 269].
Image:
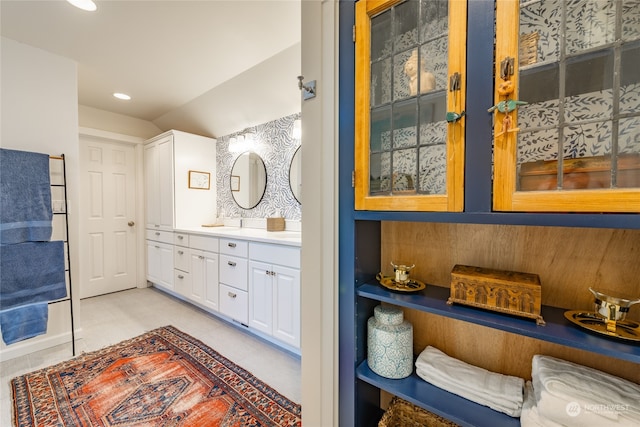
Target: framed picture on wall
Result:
[199, 180]
[235, 183]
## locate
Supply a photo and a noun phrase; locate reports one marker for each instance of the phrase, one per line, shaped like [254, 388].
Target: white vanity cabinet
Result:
[234, 279]
[274, 291]
[204, 271]
[160, 254]
[158, 177]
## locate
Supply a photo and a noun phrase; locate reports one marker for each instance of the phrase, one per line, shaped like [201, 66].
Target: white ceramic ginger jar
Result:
[390, 343]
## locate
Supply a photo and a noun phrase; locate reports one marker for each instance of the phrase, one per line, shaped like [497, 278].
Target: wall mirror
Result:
[248, 180]
[295, 175]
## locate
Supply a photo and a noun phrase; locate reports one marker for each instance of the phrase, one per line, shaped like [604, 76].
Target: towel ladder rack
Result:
[65, 212]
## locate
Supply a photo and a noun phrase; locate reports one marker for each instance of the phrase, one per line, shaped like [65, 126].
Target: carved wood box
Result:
[508, 292]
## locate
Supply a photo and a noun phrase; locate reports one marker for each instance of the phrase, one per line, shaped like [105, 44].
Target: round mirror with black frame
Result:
[295, 175]
[248, 180]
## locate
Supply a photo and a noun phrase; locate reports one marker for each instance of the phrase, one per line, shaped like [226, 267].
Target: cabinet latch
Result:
[506, 68]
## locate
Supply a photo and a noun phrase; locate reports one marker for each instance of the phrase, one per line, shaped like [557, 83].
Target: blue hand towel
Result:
[31, 272]
[25, 197]
[21, 323]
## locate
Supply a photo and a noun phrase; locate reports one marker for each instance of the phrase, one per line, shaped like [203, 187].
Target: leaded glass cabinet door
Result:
[410, 86]
[567, 138]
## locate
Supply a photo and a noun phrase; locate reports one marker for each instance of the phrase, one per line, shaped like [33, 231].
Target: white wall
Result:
[39, 112]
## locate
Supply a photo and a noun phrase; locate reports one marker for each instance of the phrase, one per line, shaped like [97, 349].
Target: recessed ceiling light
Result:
[122, 96]
[84, 4]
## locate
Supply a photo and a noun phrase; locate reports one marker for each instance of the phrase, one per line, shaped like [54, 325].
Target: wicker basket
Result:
[405, 414]
[275, 224]
[528, 51]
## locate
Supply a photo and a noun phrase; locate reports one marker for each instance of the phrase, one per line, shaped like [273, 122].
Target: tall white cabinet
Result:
[170, 197]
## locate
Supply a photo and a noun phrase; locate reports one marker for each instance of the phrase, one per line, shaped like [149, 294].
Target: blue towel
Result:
[31, 272]
[21, 323]
[25, 197]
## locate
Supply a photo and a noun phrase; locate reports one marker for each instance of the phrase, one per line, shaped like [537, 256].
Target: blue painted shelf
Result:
[448, 405]
[557, 330]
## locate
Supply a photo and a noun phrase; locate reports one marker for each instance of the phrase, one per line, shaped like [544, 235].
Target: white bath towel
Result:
[530, 416]
[503, 393]
[574, 394]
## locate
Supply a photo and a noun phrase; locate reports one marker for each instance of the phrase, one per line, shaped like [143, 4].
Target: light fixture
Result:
[122, 96]
[87, 5]
[236, 144]
[297, 129]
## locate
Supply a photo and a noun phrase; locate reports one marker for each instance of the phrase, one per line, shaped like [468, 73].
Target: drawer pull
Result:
[180, 276]
[231, 245]
[231, 263]
[157, 247]
[180, 237]
[200, 256]
[157, 233]
[231, 294]
[180, 252]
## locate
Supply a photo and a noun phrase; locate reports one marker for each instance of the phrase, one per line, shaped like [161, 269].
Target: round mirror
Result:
[248, 180]
[295, 175]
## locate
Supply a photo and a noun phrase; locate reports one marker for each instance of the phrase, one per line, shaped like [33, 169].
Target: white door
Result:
[108, 209]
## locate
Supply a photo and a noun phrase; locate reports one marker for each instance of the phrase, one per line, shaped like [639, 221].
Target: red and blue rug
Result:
[161, 378]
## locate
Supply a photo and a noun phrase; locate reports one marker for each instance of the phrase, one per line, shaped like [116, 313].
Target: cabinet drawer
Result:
[160, 236]
[181, 258]
[204, 243]
[181, 239]
[234, 303]
[233, 271]
[288, 256]
[182, 282]
[234, 247]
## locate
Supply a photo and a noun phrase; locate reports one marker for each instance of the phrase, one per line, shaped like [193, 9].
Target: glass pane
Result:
[406, 25]
[433, 169]
[405, 74]
[404, 170]
[404, 125]
[630, 20]
[434, 16]
[595, 129]
[381, 82]
[380, 172]
[433, 65]
[380, 132]
[590, 23]
[381, 36]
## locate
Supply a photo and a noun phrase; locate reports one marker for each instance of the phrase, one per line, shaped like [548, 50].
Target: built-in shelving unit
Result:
[557, 330]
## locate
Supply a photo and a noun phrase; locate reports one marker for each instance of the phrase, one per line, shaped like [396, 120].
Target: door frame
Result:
[138, 144]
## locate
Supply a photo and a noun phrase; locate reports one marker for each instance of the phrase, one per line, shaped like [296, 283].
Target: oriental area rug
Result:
[161, 378]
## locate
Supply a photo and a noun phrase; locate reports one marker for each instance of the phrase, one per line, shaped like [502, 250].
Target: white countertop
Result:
[290, 238]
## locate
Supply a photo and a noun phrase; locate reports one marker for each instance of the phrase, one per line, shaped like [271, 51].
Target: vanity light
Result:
[87, 5]
[236, 144]
[122, 96]
[297, 129]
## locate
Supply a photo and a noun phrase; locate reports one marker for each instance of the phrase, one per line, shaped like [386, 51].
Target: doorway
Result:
[108, 237]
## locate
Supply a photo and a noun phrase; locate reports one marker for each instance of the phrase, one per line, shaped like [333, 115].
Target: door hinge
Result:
[354, 33]
[353, 179]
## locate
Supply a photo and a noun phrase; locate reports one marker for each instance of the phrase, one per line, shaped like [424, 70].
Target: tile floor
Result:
[111, 318]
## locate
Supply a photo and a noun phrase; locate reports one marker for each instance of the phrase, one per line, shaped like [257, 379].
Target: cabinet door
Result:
[286, 305]
[152, 194]
[204, 278]
[165, 181]
[567, 106]
[261, 297]
[410, 100]
[160, 264]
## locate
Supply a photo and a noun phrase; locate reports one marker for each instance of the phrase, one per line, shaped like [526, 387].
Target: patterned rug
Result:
[161, 378]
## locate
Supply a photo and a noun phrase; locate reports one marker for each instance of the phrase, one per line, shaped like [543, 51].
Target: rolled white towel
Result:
[597, 397]
[502, 393]
[530, 416]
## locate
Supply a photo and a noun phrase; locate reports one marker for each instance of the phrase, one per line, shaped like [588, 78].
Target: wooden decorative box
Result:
[275, 224]
[580, 173]
[508, 292]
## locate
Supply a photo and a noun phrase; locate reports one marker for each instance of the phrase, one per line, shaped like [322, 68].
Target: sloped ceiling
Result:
[209, 67]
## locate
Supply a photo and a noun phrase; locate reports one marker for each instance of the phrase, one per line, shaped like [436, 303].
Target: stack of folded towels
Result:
[500, 392]
[563, 393]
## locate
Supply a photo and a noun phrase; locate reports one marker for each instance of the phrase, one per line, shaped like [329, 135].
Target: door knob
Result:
[131, 223]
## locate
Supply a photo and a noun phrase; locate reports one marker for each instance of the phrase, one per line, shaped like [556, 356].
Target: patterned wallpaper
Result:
[276, 146]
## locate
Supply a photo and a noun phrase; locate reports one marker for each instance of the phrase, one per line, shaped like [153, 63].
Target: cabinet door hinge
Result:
[354, 33]
[353, 179]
